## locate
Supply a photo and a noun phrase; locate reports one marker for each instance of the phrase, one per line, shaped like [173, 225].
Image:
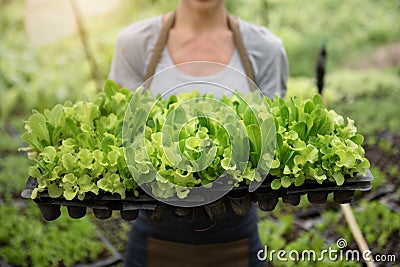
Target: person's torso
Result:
[172, 79]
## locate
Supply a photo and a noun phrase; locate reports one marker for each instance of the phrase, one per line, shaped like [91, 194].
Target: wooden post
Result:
[89, 55]
[264, 12]
[355, 230]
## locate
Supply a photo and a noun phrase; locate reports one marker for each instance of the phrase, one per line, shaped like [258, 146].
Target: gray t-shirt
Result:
[136, 43]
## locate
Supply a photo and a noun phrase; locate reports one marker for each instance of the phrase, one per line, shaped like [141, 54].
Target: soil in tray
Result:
[240, 203]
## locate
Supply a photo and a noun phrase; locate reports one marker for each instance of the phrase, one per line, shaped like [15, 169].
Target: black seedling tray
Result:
[239, 199]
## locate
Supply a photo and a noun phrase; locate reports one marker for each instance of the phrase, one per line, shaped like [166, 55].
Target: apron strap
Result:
[158, 49]
[237, 38]
[244, 56]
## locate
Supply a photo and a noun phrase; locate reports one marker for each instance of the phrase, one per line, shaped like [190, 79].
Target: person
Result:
[198, 30]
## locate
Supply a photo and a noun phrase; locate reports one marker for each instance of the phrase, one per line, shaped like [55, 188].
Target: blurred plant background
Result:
[43, 62]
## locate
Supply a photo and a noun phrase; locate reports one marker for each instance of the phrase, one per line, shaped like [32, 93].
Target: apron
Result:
[170, 254]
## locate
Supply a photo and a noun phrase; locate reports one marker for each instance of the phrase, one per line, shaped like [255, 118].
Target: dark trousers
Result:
[233, 241]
